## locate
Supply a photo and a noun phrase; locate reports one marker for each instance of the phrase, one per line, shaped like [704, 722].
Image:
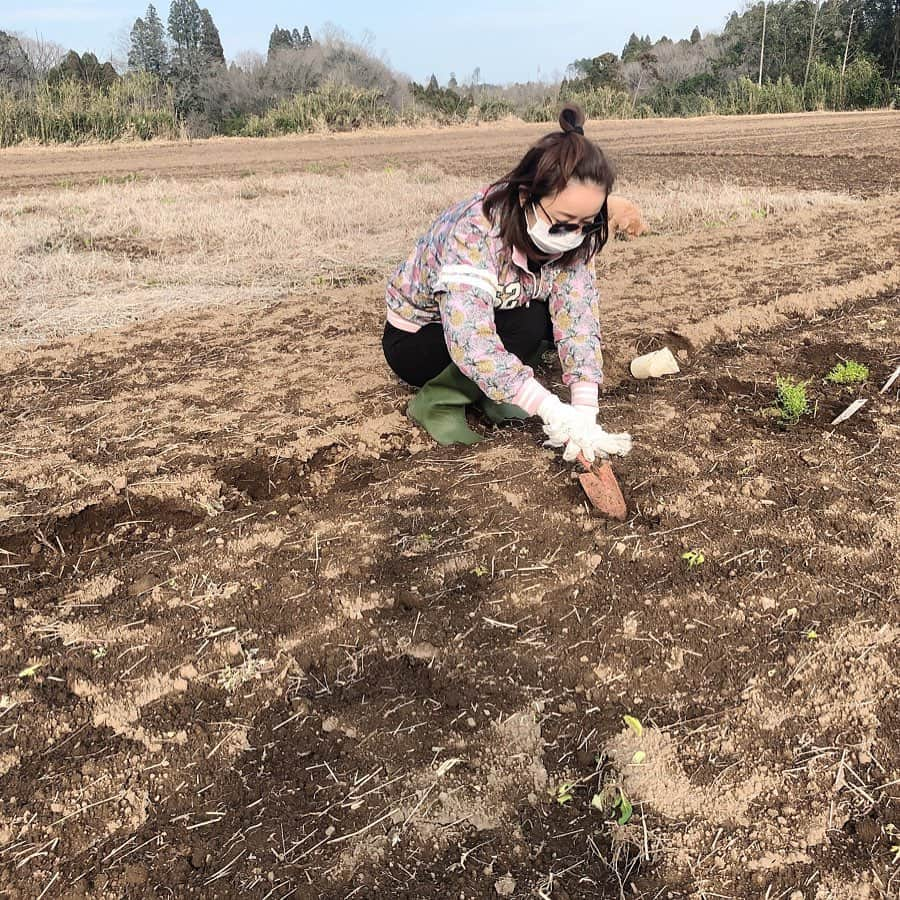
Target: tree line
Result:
[807, 54]
[787, 55]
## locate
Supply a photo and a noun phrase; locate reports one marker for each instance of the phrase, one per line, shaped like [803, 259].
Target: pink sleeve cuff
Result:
[531, 396]
[585, 393]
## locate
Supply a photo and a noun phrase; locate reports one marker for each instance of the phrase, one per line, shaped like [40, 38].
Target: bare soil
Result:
[805, 150]
[263, 638]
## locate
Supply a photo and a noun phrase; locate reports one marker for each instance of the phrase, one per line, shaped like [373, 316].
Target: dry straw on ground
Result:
[73, 261]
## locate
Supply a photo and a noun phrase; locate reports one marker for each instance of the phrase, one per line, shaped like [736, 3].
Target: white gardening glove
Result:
[577, 431]
[588, 416]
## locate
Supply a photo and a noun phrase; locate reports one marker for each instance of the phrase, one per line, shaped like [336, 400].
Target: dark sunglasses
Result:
[569, 227]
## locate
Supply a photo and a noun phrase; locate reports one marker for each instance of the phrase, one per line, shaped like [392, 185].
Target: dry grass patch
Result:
[75, 260]
[680, 207]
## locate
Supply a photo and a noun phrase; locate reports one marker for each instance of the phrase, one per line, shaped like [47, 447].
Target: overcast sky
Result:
[508, 41]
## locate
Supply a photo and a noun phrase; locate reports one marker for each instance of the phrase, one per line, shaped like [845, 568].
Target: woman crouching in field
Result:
[496, 277]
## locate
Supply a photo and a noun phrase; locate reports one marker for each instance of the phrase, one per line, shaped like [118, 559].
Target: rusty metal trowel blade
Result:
[602, 489]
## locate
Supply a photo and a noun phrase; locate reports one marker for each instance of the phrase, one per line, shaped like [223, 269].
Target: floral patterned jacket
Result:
[459, 272]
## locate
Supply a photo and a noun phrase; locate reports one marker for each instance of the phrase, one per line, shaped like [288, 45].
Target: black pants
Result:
[417, 357]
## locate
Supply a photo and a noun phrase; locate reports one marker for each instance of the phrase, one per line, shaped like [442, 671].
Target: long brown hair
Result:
[544, 170]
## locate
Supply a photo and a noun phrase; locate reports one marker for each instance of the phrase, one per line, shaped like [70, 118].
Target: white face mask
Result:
[539, 232]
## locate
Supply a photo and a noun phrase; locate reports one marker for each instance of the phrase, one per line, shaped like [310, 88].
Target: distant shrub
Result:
[71, 111]
[332, 107]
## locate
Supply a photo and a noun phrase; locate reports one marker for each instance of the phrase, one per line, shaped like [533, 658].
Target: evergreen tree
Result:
[296, 39]
[157, 52]
[635, 47]
[210, 43]
[107, 74]
[69, 69]
[307, 37]
[86, 69]
[279, 39]
[881, 29]
[188, 65]
[137, 50]
[630, 50]
[452, 84]
[696, 37]
[148, 52]
[185, 30]
[433, 84]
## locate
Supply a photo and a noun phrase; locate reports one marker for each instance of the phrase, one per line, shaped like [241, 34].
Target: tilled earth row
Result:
[292, 648]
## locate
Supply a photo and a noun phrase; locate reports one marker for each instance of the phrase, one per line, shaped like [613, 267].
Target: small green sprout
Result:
[564, 793]
[634, 724]
[791, 402]
[626, 810]
[479, 571]
[610, 798]
[693, 558]
[849, 372]
[812, 634]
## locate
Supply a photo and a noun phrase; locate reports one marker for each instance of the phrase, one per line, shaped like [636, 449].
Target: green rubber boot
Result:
[498, 413]
[439, 407]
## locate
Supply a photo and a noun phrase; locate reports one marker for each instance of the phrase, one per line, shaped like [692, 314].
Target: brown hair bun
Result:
[571, 118]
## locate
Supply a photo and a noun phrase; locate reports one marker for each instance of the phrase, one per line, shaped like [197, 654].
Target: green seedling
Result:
[791, 402]
[564, 793]
[479, 571]
[601, 802]
[693, 558]
[634, 724]
[849, 372]
[30, 671]
[626, 810]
